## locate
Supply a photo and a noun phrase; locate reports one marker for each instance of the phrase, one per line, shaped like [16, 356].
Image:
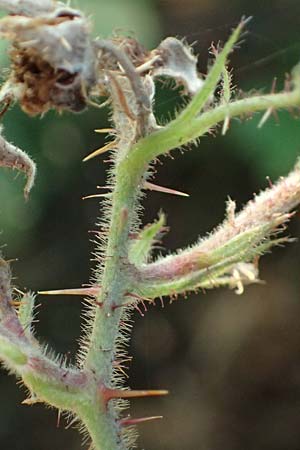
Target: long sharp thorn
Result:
[165, 190]
[99, 151]
[129, 421]
[108, 394]
[80, 291]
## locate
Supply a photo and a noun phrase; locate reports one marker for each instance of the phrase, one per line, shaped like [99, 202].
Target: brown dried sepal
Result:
[39, 90]
[53, 60]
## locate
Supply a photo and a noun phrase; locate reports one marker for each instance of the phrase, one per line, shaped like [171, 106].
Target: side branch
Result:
[49, 380]
[240, 238]
[178, 133]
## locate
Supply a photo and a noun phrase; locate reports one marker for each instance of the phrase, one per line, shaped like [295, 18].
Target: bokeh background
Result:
[232, 364]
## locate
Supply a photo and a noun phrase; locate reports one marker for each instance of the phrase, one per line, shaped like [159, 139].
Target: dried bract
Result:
[177, 61]
[52, 60]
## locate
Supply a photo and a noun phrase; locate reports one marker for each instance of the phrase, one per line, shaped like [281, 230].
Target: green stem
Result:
[106, 336]
[101, 426]
[62, 387]
[178, 133]
[116, 280]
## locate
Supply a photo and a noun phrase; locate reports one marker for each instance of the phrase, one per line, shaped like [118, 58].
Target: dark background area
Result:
[231, 363]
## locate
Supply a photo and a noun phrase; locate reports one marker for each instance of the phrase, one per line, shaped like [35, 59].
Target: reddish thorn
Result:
[129, 422]
[108, 394]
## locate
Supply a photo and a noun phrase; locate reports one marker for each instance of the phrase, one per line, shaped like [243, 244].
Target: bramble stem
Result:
[123, 275]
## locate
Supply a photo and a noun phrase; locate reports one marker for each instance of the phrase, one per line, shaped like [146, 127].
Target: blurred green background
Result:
[218, 354]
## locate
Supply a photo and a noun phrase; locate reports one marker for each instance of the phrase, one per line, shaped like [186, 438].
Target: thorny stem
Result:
[239, 238]
[117, 278]
[115, 282]
[91, 390]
